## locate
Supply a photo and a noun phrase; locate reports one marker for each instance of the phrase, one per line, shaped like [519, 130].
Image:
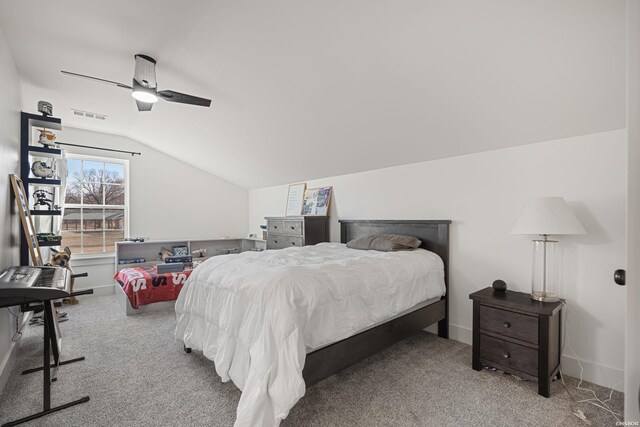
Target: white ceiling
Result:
[307, 89]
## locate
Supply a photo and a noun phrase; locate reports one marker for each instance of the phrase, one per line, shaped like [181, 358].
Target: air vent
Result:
[89, 115]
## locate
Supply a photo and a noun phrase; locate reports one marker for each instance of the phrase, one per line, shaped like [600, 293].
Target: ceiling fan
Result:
[145, 89]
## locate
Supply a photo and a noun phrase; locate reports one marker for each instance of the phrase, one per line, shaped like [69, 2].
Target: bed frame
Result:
[330, 360]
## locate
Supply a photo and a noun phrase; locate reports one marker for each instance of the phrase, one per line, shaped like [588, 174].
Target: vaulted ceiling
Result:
[306, 89]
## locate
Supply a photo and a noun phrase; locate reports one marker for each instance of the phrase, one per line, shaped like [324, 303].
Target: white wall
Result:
[483, 194]
[10, 102]
[632, 362]
[168, 199]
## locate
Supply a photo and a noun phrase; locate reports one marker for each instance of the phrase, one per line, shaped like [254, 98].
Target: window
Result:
[95, 205]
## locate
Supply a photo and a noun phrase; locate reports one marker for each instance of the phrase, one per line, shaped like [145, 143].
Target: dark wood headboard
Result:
[433, 233]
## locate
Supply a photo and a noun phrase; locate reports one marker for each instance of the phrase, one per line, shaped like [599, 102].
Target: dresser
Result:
[518, 335]
[284, 232]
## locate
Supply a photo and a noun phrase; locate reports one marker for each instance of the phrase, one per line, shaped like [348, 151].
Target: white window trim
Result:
[124, 162]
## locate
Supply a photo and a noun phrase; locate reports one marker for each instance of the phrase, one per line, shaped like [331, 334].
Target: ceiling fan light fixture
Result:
[143, 95]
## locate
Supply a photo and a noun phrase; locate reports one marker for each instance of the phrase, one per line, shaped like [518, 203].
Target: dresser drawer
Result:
[275, 226]
[509, 355]
[292, 227]
[280, 241]
[508, 323]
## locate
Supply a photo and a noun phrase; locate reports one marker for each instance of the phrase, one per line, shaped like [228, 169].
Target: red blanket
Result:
[143, 285]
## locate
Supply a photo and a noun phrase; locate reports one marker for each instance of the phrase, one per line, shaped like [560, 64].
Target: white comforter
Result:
[255, 313]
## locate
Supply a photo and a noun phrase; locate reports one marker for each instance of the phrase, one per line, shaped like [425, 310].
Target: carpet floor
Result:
[137, 375]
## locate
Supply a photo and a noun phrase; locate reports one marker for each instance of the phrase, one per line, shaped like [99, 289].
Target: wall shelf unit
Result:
[29, 149]
[150, 249]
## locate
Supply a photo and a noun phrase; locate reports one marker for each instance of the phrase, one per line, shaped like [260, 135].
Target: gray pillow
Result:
[385, 242]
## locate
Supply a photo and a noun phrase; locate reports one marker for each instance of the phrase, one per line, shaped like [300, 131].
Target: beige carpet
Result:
[136, 375]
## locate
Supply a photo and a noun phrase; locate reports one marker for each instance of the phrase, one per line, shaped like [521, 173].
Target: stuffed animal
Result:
[164, 253]
[61, 259]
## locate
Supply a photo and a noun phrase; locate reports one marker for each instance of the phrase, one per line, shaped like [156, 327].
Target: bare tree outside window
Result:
[92, 186]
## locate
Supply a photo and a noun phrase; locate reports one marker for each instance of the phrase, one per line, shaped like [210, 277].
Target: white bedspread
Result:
[255, 313]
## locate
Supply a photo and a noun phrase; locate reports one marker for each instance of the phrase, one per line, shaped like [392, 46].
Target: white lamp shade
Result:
[547, 215]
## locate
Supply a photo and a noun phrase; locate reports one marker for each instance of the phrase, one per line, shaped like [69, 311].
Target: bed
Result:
[144, 285]
[277, 322]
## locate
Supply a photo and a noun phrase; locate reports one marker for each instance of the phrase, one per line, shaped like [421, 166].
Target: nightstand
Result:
[518, 335]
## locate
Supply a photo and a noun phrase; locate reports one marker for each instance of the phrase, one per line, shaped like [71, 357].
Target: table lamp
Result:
[545, 216]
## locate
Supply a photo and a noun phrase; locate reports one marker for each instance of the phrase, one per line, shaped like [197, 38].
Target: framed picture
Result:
[316, 201]
[295, 198]
[180, 250]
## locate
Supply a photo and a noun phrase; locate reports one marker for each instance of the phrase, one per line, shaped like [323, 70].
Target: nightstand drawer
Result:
[293, 228]
[508, 354]
[279, 241]
[509, 324]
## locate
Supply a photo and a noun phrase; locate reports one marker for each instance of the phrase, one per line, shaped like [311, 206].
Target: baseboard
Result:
[594, 372]
[98, 291]
[7, 363]
[460, 333]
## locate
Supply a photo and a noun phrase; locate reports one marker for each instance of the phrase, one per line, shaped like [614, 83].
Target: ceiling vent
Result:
[89, 115]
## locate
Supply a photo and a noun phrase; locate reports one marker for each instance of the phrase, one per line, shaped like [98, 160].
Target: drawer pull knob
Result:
[293, 243]
[507, 324]
[275, 241]
[292, 227]
[506, 355]
[275, 226]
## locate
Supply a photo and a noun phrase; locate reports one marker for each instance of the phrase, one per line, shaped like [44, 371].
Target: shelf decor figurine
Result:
[46, 108]
[545, 216]
[41, 169]
[43, 200]
[47, 138]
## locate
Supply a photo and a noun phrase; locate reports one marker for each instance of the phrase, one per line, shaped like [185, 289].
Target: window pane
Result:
[92, 171]
[114, 219]
[114, 172]
[92, 193]
[74, 188]
[92, 242]
[92, 219]
[114, 194]
[74, 168]
[71, 219]
[73, 240]
[111, 237]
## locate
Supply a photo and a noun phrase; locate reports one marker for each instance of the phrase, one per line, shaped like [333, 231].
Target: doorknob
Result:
[619, 277]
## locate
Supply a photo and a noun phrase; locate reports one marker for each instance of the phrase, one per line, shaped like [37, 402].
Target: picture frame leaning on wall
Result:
[295, 198]
[317, 201]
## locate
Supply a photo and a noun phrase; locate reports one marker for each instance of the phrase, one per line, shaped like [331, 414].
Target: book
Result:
[131, 261]
[185, 258]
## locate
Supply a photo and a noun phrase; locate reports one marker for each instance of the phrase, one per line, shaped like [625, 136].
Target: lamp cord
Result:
[603, 404]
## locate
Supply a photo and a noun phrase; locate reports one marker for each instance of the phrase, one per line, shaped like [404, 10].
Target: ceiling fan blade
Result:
[122, 85]
[144, 106]
[145, 72]
[172, 96]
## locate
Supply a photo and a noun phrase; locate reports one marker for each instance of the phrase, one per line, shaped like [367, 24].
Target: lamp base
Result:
[544, 297]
